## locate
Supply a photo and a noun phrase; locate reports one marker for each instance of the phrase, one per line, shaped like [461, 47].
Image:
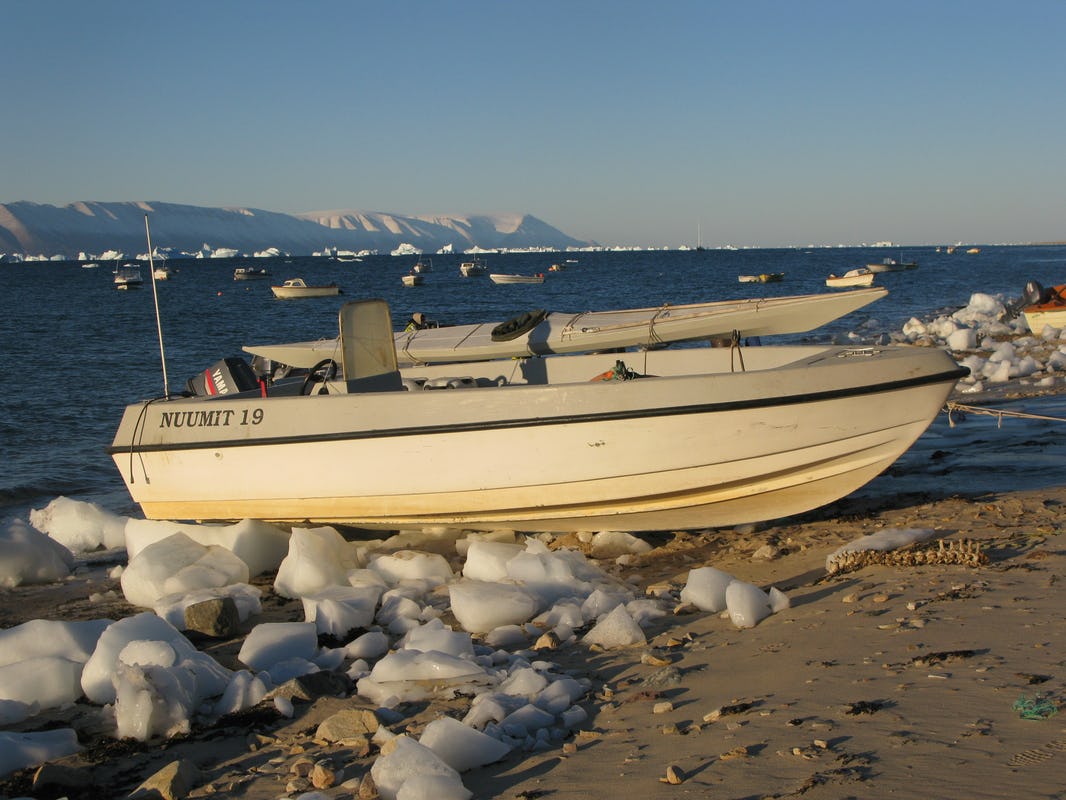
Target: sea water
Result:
[75, 351]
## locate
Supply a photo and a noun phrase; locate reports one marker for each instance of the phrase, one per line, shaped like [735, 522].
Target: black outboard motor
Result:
[226, 377]
[1034, 294]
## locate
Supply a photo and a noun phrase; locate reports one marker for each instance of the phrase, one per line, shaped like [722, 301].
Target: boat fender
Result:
[516, 326]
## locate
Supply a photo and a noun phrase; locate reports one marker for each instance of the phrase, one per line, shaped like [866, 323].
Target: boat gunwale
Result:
[944, 376]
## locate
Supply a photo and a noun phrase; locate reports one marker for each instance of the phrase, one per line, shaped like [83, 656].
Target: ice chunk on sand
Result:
[258, 544]
[272, 642]
[617, 629]
[29, 556]
[317, 558]
[337, 610]
[411, 565]
[21, 750]
[748, 605]
[178, 565]
[79, 526]
[408, 760]
[71, 640]
[480, 606]
[96, 677]
[487, 560]
[460, 746]
[611, 544]
[705, 589]
[48, 681]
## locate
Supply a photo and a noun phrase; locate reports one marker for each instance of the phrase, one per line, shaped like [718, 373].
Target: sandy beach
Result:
[910, 681]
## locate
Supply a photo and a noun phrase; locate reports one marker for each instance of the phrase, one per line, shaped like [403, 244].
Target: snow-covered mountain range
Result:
[35, 229]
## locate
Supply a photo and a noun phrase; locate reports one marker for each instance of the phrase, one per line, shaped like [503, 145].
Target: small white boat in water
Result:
[473, 269]
[162, 273]
[250, 273]
[861, 276]
[892, 265]
[297, 287]
[763, 277]
[128, 276]
[413, 279]
[668, 439]
[496, 277]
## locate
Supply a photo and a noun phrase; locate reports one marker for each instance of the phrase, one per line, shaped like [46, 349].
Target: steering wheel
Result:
[324, 370]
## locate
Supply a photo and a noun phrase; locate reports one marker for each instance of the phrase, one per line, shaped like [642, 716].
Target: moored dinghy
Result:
[680, 438]
[297, 287]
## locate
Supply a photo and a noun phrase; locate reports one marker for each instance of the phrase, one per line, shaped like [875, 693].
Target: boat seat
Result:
[385, 382]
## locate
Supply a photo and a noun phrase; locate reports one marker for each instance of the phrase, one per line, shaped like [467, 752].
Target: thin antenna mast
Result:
[155, 295]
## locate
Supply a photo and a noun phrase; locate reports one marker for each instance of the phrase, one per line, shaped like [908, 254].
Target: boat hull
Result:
[696, 446]
[293, 292]
[497, 278]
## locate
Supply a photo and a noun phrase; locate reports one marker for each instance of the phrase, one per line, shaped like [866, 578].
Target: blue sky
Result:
[760, 123]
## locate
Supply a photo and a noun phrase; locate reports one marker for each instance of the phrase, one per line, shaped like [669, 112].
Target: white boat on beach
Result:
[543, 333]
[1043, 308]
[297, 287]
[861, 276]
[497, 277]
[128, 276]
[665, 439]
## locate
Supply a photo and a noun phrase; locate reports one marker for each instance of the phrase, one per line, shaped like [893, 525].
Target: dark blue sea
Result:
[75, 350]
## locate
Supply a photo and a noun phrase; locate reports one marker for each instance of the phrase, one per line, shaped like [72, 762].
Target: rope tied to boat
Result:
[998, 413]
[735, 349]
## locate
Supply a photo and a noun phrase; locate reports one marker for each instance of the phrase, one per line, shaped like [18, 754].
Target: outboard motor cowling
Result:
[226, 377]
[1032, 295]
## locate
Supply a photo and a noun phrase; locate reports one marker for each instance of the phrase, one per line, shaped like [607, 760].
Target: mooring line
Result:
[999, 414]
